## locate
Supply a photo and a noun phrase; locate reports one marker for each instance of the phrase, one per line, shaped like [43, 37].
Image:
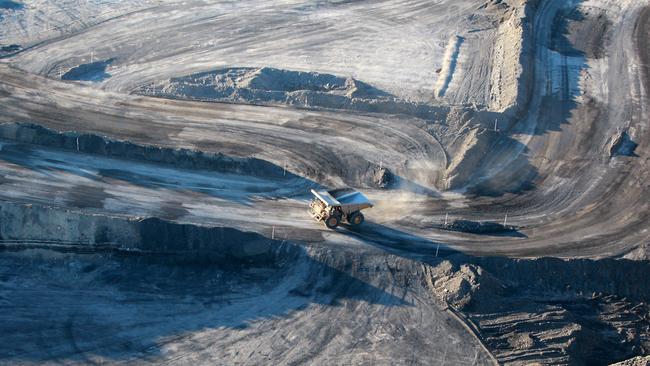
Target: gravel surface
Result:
[530, 115]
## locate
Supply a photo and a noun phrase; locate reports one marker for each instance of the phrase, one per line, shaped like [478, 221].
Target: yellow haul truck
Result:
[333, 206]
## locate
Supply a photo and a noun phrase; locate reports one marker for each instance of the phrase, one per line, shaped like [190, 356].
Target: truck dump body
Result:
[351, 200]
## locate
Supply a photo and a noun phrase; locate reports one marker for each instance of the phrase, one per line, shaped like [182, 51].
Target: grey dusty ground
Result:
[156, 160]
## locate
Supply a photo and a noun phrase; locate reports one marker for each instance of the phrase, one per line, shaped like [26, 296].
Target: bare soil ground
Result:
[156, 159]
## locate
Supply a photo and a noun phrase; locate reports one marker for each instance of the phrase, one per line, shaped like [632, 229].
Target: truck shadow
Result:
[396, 241]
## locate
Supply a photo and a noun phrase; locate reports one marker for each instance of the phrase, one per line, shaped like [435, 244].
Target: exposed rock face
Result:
[546, 310]
[642, 252]
[50, 226]
[465, 285]
[105, 146]
[584, 32]
[636, 361]
[521, 341]
[382, 178]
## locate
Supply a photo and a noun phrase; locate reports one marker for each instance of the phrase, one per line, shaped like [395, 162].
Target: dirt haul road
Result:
[85, 165]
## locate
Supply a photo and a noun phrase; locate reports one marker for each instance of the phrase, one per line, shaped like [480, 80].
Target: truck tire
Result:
[332, 222]
[356, 218]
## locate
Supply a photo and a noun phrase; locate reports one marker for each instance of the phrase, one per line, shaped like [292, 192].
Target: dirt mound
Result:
[467, 152]
[271, 79]
[464, 285]
[510, 84]
[474, 227]
[9, 49]
[263, 84]
[268, 85]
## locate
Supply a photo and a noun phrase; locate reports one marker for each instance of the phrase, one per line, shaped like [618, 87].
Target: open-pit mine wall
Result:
[513, 63]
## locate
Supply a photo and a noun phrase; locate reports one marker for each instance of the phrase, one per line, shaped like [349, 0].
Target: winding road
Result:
[342, 296]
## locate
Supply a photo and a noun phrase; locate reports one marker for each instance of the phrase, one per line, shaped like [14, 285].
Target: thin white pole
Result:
[273, 233]
[446, 217]
[437, 248]
[496, 122]
[505, 220]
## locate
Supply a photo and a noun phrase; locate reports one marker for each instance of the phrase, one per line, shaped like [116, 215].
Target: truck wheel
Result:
[356, 218]
[332, 222]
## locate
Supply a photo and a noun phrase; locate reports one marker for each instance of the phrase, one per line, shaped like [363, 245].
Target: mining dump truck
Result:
[331, 207]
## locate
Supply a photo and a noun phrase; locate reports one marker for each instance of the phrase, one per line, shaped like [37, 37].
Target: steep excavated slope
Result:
[510, 83]
[551, 311]
[543, 310]
[154, 291]
[565, 175]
